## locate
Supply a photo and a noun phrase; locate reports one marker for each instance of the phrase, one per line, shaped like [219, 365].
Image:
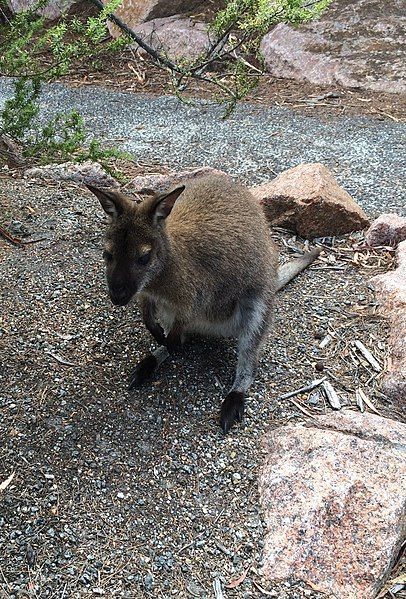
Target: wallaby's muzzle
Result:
[120, 295]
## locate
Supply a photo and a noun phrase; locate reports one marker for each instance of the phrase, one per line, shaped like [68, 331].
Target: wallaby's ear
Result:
[165, 203]
[112, 201]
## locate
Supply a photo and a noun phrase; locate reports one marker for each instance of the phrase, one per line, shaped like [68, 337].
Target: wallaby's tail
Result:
[288, 271]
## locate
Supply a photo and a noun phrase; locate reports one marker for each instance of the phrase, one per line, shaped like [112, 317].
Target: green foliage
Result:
[242, 25]
[21, 110]
[256, 17]
[34, 54]
[104, 156]
[24, 42]
[25, 38]
[58, 140]
[18, 47]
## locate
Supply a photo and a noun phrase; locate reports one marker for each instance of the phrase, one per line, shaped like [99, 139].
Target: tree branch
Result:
[217, 51]
[159, 58]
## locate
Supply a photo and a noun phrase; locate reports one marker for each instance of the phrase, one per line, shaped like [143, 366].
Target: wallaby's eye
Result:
[108, 256]
[144, 258]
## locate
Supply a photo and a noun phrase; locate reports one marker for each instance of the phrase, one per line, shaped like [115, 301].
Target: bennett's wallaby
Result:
[200, 260]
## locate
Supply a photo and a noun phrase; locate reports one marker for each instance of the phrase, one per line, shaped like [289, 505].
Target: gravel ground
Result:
[256, 142]
[139, 494]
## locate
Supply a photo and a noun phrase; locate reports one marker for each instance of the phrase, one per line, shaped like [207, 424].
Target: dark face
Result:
[130, 255]
[135, 244]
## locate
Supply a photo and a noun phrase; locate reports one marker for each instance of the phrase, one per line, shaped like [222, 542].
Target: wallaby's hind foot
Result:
[232, 410]
[145, 369]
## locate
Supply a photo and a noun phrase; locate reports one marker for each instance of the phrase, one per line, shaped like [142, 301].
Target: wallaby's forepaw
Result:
[143, 371]
[232, 410]
[158, 334]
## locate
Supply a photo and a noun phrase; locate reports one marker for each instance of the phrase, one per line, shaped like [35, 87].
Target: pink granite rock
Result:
[87, 172]
[159, 183]
[177, 37]
[137, 11]
[391, 294]
[134, 12]
[286, 55]
[354, 44]
[387, 229]
[308, 200]
[333, 492]
[52, 10]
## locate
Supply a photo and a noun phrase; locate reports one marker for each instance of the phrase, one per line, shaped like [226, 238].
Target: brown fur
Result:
[212, 269]
[219, 247]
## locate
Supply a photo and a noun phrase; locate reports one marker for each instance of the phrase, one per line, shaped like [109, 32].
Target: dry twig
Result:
[301, 408]
[309, 387]
[60, 359]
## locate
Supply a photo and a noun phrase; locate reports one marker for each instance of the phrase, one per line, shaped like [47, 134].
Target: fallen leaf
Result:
[236, 583]
[367, 401]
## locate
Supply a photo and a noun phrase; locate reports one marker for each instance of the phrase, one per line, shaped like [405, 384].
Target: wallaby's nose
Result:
[119, 295]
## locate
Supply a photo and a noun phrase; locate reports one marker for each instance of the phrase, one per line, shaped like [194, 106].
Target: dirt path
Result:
[139, 494]
[256, 143]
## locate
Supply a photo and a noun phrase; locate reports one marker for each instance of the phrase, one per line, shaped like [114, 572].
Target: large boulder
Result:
[388, 229]
[391, 294]
[354, 44]
[53, 9]
[133, 12]
[333, 492]
[176, 37]
[286, 54]
[308, 200]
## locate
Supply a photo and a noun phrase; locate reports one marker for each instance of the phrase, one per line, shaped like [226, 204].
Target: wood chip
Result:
[327, 339]
[359, 400]
[391, 583]
[5, 483]
[396, 588]
[218, 593]
[331, 395]
[368, 356]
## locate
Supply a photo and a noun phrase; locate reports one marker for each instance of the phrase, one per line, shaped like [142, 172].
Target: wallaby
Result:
[200, 259]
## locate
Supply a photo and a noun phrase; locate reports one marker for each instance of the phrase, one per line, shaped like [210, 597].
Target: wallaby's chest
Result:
[221, 320]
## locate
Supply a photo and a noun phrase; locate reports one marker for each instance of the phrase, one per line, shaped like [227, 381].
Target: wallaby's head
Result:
[136, 246]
